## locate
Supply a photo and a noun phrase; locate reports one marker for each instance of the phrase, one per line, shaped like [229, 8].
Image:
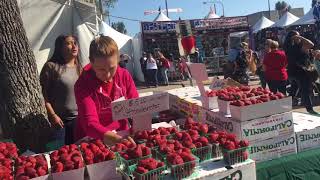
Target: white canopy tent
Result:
[285, 20]
[212, 14]
[262, 24]
[305, 20]
[123, 41]
[161, 17]
[45, 20]
[137, 53]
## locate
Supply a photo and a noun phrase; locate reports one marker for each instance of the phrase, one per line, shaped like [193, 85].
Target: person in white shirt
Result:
[152, 71]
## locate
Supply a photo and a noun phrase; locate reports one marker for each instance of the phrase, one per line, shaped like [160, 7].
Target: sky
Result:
[192, 9]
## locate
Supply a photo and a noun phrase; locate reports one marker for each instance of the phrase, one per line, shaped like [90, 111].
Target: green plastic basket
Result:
[160, 156]
[232, 157]
[125, 164]
[188, 169]
[203, 153]
[216, 151]
[151, 175]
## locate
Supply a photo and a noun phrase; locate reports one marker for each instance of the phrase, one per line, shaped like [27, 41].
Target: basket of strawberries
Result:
[148, 169]
[235, 151]
[182, 164]
[132, 156]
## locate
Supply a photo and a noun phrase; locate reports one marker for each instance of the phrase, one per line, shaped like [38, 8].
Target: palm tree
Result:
[120, 27]
[282, 7]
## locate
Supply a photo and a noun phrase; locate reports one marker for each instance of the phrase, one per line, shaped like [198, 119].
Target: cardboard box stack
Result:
[307, 128]
[268, 126]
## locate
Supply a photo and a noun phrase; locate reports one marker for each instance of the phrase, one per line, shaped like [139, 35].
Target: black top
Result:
[297, 58]
[241, 62]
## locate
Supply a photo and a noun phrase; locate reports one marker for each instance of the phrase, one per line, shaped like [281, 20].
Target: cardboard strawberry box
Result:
[244, 113]
[103, 170]
[213, 102]
[100, 161]
[68, 175]
[307, 128]
[224, 106]
[254, 130]
[67, 163]
[273, 148]
[39, 170]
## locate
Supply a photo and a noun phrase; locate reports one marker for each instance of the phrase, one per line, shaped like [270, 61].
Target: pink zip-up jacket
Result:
[94, 105]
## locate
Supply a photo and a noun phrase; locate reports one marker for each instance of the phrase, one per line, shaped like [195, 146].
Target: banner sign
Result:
[158, 27]
[220, 23]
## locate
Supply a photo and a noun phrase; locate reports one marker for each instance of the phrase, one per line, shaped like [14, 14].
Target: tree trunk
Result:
[23, 115]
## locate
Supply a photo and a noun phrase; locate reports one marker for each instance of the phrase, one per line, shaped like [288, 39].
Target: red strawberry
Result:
[141, 170]
[41, 171]
[58, 167]
[245, 155]
[231, 137]
[23, 178]
[213, 137]
[280, 95]
[204, 141]
[244, 143]
[273, 97]
[204, 128]
[230, 145]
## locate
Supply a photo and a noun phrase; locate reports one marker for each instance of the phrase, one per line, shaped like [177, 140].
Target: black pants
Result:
[261, 75]
[305, 89]
[278, 86]
[152, 77]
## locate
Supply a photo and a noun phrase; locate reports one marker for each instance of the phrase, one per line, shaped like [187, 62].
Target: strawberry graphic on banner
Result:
[188, 44]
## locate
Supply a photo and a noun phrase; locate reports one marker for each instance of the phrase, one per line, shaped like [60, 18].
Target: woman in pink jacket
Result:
[101, 82]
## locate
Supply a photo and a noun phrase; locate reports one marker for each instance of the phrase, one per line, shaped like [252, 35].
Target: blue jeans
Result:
[64, 135]
[164, 73]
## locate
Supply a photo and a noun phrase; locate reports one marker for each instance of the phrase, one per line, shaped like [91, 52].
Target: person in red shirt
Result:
[274, 64]
[101, 82]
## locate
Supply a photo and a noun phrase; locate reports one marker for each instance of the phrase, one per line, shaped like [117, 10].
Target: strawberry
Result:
[204, 141]
[141, 170]
[245, 155]
[204, 128]
[244, 143]
[213, 138]
[280, 95]
[273, 97]
[230, 145]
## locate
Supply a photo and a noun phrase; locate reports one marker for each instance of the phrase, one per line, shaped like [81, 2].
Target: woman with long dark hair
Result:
[57, 79]
[297, 51]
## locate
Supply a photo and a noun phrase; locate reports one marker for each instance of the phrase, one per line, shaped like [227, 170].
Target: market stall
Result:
[258, 33]
[210, 36]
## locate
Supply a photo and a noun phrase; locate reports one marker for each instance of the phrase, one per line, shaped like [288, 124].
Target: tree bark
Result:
[23, 114]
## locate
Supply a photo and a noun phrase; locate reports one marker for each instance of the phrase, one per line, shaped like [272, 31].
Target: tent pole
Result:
[167, 8]
[101, 10]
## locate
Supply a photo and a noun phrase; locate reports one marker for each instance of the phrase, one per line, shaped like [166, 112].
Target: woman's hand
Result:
[111, 138]
[56, 120]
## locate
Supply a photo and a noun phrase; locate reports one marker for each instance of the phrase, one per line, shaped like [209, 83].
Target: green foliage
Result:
[119, 26]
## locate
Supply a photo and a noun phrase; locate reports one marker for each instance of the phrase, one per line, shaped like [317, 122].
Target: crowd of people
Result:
[159, 70]
[292, 68]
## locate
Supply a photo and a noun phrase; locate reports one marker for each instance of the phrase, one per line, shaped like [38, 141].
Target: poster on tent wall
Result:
[220, 23]
[158, 27]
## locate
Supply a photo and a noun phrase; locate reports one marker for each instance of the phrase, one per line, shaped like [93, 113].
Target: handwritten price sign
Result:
[218, 84]
[140, 106]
